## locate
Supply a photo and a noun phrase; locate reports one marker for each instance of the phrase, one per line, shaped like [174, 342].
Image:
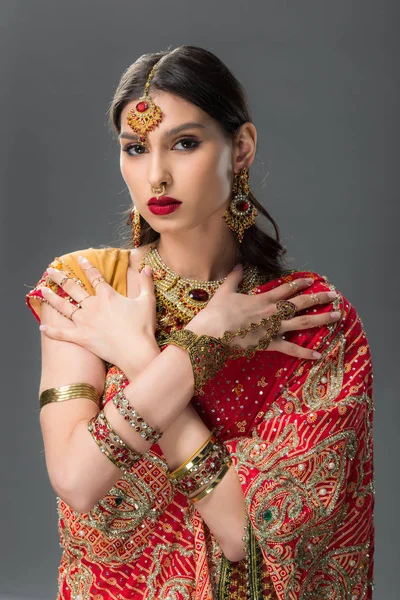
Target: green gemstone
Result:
[267, 515]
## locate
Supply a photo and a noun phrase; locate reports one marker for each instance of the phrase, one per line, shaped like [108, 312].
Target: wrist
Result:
[132, 367]
[203, 324]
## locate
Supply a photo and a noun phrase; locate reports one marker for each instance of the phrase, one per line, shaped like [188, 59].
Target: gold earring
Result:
[134, 222]
[241, 213]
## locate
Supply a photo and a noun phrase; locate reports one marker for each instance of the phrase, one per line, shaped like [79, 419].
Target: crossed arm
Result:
[81, 475]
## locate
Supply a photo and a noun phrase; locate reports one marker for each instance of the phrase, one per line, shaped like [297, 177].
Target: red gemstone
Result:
[142, 106]
[242, 206]
[199, 295]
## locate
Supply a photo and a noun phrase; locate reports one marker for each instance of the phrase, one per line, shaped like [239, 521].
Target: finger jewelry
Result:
[74, 311]
[314, 298]
[274, 323]
[88, 296]
[286, 309]
[293, 285]
[87, 268]
[69, 392]
[63, 280]
[99, 280]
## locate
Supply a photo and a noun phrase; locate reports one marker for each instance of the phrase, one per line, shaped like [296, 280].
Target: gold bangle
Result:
[194, 459]
[69, 392]
[212, 485]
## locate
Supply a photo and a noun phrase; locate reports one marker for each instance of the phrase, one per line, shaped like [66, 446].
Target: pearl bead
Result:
[324, 380]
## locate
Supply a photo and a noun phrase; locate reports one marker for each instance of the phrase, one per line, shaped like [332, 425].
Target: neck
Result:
[195, 256]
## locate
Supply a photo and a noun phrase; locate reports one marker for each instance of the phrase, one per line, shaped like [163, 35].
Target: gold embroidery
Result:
[176, 584]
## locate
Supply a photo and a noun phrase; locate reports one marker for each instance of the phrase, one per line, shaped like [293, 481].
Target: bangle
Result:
[135, 420]
[69, 392]
[111, 444]
[194, 459]
[213, 484]
[201, 467]
[210, 467]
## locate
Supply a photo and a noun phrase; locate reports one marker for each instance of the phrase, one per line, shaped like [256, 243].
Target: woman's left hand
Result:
[118, 329]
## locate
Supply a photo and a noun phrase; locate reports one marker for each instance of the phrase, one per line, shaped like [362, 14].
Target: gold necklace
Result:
[186, 297]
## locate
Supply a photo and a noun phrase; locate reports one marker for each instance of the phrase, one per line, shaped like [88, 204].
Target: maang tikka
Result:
[241, 213]
[146, 115]
[143, 118]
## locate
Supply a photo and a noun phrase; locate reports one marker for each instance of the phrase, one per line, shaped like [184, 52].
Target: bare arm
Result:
[81, 475]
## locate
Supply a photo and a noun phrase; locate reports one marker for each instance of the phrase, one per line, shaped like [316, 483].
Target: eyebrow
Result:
[173, 131]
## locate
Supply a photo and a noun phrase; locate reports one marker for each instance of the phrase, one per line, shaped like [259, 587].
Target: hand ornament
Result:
[209, 354]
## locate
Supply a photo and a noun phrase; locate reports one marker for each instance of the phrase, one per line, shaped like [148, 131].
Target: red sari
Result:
[300, 436]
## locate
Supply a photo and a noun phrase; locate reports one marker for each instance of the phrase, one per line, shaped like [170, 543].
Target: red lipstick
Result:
[164, 205]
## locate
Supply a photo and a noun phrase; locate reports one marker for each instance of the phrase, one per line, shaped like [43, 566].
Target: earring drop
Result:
[241, 213]
[134, 222]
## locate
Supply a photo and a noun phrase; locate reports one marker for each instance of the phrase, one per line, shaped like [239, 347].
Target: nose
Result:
[159, 174]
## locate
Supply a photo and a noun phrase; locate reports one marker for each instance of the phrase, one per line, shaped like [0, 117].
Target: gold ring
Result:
[87, 268]
[74, 311]
[293, 285]
[88, 296]
[63, 279]
[99, 280]
[286, 309]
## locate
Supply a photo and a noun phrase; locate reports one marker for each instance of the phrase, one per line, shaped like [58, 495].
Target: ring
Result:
[286, 309]
[293, 285]
[63, 279]
[99, 280]
[314, 298]
[74, 311]
[87, 268]
[88, 296]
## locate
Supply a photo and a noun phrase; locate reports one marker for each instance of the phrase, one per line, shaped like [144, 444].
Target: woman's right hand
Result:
[229, 310]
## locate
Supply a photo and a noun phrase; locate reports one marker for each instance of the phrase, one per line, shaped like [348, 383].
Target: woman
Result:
[229, 399]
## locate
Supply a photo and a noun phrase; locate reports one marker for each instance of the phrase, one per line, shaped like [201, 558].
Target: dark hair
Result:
[198, 76]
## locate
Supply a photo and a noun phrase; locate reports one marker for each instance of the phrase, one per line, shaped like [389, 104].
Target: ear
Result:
[244, 146]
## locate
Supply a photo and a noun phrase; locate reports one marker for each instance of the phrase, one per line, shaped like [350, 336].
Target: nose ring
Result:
[158, 191]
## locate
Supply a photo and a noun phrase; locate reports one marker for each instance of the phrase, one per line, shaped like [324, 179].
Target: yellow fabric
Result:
[112, 263]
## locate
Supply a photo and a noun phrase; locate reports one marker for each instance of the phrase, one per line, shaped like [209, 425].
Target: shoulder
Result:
[349, 329]
[350, 322]
[111, 262]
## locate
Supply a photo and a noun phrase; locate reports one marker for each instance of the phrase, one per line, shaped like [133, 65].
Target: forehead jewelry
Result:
[146, 115]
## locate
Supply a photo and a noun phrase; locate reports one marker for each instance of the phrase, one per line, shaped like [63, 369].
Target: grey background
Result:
[323, 87]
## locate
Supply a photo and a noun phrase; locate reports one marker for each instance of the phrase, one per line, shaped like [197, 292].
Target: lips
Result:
[163, 201]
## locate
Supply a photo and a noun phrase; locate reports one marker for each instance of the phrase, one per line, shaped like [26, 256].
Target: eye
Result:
[139, 149]
[189, 143]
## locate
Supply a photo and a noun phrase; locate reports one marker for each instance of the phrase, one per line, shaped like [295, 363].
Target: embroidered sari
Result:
[300, 436]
